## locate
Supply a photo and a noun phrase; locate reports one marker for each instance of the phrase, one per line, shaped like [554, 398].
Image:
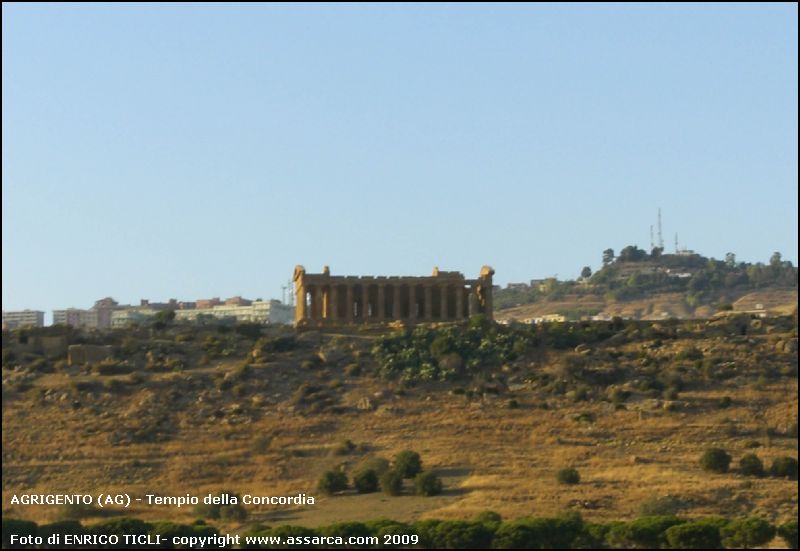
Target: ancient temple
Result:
[323, 299]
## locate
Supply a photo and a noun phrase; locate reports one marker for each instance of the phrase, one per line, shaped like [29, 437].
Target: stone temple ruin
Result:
[323, 299]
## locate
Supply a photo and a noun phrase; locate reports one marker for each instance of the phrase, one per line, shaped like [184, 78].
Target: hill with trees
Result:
[657, 285]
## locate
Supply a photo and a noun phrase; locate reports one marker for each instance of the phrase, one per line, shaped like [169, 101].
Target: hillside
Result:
[638, 285]
[656, 306]
[494, 411]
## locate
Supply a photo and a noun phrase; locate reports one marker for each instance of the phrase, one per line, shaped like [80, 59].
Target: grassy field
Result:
[271, 423]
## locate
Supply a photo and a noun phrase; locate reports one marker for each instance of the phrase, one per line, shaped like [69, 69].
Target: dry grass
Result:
[490, 457]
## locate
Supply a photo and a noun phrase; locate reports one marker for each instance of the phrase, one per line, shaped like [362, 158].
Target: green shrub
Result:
[427, 484]
[119, 527]
[788, 532]
[715, 460]
[747, 533]
[489, 517]
[332, 482]
[751, 465]
[564, 532]
[784, 467]
[694, 535]
[408, 463]
[18, 528]
[568, 476]
[366, 481]
[61, 527]
[724, 402]
[460, 534]
[644, 533]
[391, 483]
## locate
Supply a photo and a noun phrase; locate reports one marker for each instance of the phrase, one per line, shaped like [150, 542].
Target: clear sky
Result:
[157, 151]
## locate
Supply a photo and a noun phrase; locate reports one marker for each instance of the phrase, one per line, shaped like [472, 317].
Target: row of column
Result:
[369, 302]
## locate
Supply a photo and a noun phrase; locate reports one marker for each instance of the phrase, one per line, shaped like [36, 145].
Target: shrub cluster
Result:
[439, 354]
[377, 472]
[487, 530]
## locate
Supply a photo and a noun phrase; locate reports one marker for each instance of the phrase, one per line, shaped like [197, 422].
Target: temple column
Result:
[348, 314]
[443, 307]
[412, 302]
[381, 310]
[396, 303]
[487, 300]
[459, 302]
[300, 303]
[333, 304]
[428, 302]
[320, 302]
[473, 301]
[364, 301]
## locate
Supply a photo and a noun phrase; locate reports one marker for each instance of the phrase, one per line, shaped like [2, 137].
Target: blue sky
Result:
[159, 151]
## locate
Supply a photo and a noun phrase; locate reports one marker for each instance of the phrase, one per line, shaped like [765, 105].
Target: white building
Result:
[129, 316]
[75, 317]
[20, 318]
[259, 311]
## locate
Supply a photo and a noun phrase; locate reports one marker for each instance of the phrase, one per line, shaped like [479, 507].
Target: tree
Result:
[586, 273]
[608, 257]
[694, 535]
[747, 533]
[332, 482]
[427, 484]
[568, 476]
[642, 533]
[715, 460]
[408, 463]
[784, 467]
[632, 253]
[775, 260]
[366, 481]
[751, 465]
[730, 260]
[165, 316]
[788, 532]
[391, 483]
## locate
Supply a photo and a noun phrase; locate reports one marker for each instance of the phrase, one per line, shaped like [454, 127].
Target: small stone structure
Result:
[323, 299]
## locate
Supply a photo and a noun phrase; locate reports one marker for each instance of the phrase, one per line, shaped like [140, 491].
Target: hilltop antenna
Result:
[676, 243]
[660, 239]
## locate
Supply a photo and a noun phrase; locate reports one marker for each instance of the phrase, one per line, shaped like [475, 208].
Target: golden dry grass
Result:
[491, 457]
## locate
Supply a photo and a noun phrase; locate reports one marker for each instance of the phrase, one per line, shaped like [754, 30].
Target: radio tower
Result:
[660, 239]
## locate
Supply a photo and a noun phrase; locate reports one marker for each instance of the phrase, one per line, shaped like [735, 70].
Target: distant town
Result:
[109, 314]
